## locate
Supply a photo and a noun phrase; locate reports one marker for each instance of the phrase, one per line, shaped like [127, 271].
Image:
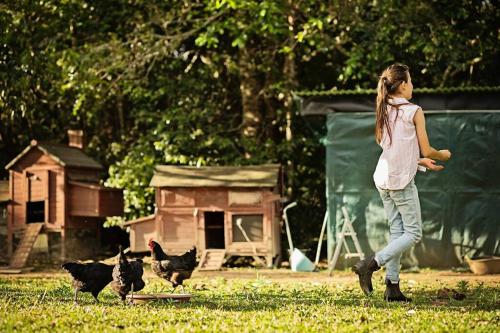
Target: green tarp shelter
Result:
[460, 205]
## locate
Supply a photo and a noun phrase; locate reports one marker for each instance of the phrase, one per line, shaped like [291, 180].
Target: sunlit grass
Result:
[247, 305]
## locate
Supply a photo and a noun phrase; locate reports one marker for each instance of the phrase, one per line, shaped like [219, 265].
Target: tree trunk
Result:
[290, 77]
[250, 91]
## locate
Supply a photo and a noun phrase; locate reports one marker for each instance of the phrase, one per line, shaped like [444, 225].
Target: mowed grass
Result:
[253, 303]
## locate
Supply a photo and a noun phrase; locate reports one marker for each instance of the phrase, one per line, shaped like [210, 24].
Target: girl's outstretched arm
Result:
[430, 164]
[423, 141]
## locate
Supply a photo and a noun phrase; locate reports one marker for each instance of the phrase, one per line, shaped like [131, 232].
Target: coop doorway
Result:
[214, 230]
[35, 211]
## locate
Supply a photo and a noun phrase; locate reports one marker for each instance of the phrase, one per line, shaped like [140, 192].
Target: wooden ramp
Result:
[212, 260]
[24, 248]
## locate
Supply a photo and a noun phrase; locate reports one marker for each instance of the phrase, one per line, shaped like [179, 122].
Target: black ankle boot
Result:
[365, 269]
[393, 293]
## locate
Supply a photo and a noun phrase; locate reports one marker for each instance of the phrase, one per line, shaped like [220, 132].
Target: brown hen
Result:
[174, 269]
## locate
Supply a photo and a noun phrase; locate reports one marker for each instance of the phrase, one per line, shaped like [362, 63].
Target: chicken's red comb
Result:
[150, 243]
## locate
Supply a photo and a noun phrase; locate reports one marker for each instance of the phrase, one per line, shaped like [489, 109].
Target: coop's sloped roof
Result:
[216, 176]
[64, 155]
[452, 99]
[438, 90]
[4, 191]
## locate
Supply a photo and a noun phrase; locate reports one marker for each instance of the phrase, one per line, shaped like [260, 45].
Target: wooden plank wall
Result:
[177, 228]
[211, 198]
[36, 184]
[18, 209]
[83, 201]
[57, 198]
[140, 233]
[111, 202]
[53, 198]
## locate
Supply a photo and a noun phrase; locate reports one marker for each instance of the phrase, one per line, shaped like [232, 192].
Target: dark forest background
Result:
[210, 82]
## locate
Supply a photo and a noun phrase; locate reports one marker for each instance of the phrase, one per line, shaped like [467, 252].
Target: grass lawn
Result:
[255, 301]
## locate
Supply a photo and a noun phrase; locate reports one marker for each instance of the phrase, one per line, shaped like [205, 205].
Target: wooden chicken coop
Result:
[54, 189]
[224, 211]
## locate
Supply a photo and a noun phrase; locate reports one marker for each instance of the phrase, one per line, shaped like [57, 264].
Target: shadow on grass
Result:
[486, 300]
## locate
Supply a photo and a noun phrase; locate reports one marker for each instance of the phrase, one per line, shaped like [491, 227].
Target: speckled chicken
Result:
[91, 277]
[174, 269]
[127, 276]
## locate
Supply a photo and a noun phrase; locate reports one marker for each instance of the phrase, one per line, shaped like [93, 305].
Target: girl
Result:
[400, 131]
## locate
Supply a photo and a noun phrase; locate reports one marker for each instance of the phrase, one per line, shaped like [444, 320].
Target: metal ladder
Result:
[347, 230]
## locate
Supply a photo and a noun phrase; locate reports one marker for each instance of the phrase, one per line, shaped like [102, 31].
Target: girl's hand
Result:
[430, 164]
[446, 154]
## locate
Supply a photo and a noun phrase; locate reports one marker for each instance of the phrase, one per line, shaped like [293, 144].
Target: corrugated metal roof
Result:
[442, 90]
[64, 155]
[214, 176]
[4, 191]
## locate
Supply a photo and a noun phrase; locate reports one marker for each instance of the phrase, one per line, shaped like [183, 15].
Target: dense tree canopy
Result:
[209, 82]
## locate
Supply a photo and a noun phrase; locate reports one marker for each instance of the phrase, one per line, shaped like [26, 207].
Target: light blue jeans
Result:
[405, 227]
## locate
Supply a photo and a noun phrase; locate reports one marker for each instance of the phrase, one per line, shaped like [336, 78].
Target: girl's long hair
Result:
[388, 84]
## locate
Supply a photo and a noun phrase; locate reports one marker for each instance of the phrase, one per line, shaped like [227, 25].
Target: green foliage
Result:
[173, 82]
[444, 43]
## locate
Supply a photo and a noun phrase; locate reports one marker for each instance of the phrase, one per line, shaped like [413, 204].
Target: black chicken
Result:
[92, 277]
[127, 276]
[174, 269]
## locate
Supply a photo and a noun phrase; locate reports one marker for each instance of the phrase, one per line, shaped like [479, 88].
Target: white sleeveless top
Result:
[398, 162]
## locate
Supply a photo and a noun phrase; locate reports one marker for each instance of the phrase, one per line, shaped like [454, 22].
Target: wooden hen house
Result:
[55, 189]
[224, 211]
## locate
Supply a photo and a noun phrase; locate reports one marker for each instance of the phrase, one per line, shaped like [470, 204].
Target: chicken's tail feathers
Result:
[191, 254]
[122, 257]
